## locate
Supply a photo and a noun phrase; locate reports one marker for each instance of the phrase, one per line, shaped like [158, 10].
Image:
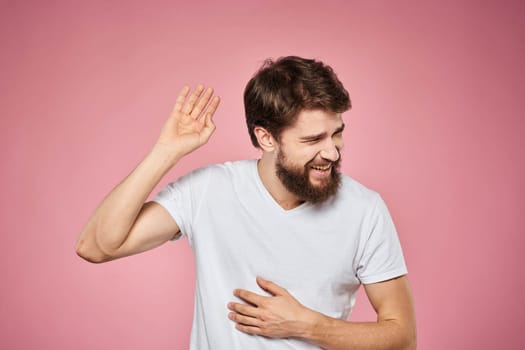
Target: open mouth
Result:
[321, 171]
[321, 167]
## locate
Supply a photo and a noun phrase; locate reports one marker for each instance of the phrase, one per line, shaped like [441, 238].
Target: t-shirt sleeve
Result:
[382, 258]
[182, 199]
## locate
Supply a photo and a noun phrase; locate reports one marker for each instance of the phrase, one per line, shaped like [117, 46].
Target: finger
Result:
[245, 320]
[202, 103]
[250, 329]
[181, 98]
[208, 127]
[252, 298]
[188, 107]
[212, 107]
[246, 310]
[207, 130]
[271, 287]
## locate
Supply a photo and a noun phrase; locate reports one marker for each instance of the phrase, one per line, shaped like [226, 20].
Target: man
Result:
[281, 243]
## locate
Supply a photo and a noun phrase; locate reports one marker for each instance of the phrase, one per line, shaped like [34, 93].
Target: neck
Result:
[274, 186]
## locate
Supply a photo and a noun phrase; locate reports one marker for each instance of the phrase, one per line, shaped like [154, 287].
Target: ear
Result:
[265, 139]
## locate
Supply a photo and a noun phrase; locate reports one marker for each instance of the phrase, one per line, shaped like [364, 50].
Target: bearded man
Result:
[281, 243]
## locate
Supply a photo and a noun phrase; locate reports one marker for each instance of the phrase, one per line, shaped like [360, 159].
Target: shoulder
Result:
[365, 200]
[235, 167]
[238, 167]
[228, 171]
[355, 191]
[353, 201]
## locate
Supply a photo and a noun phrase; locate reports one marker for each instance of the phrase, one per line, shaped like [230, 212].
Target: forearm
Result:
[122, 225]
[335, 334]
[111, 222]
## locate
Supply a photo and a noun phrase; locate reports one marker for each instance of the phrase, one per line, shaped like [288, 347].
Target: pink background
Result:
[437, 128]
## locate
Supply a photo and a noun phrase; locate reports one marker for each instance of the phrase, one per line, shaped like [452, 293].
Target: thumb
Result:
[208, 128]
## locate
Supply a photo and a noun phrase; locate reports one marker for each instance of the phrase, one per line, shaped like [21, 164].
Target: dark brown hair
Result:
[281, 89]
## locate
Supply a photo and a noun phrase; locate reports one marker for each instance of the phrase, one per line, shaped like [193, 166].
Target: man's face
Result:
[308, 158]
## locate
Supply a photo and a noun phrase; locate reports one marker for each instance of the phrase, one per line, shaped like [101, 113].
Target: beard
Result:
[297, 180]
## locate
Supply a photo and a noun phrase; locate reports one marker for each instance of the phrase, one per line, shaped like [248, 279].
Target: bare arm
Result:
[123, 224]
[281, 315]
[395, 327]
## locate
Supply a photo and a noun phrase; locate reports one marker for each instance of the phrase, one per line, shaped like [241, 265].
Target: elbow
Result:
[411, 340]
[90, 253]
[405, 337]
[90, 258]
[411, 344]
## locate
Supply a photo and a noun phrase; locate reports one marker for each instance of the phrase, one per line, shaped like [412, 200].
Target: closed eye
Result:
[316, 138]
[313, 140]
[339, 131]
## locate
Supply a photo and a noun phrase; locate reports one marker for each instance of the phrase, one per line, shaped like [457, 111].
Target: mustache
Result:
[334, 163]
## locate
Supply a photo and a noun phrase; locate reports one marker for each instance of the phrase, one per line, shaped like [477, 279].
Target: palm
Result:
[190, 124]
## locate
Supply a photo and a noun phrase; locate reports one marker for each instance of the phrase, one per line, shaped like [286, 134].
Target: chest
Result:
[311, 254]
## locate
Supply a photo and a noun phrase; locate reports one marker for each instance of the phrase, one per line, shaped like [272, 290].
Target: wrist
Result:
[165, 154]
[311, 322]
[316, 323]
[159, 161]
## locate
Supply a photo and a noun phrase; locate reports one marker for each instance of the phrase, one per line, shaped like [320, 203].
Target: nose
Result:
[330, 152]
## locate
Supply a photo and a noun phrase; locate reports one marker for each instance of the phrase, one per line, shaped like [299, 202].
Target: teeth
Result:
[322, 168]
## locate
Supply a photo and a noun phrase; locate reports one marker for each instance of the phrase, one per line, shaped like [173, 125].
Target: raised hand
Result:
[190, 124]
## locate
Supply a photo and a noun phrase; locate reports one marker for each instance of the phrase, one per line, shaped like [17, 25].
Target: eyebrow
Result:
[322, 135]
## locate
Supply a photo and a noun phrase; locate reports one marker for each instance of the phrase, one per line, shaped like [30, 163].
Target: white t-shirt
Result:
[320, 254]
